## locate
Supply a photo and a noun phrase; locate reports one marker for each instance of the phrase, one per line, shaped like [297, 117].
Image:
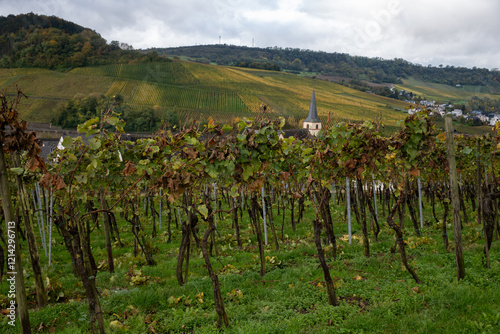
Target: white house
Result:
[494, 120]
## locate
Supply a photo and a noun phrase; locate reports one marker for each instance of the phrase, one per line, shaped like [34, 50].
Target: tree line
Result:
[138, 118]
[30, 40]
[355, 67]
[485, 104]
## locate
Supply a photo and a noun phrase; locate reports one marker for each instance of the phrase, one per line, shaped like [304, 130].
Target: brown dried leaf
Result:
[33, 164]
[257, 184]
[58, 182]
[46, 180]
[129, 169]
[414, 172]
[285, 175]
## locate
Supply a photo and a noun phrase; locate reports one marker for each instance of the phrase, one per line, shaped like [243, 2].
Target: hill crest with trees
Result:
[375, 70]
[30, 40]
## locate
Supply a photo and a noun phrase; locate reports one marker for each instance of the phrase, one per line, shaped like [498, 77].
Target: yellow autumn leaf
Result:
[117, 325]
[390, 156]
[442, 136]
[199, 297]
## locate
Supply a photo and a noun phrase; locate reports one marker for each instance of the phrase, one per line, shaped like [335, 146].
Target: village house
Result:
[457, 113]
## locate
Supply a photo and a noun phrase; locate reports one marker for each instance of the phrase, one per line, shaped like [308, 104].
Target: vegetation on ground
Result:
[339, 64]
[138, 118]
[232, 227]
[30, 40]
[197, 92]
[444, 93]
[375, 294]
[30, 43]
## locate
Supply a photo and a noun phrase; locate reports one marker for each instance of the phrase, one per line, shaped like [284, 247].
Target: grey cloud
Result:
[460, 32]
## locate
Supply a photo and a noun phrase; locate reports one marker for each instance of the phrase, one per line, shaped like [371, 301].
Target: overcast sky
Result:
[448, 32]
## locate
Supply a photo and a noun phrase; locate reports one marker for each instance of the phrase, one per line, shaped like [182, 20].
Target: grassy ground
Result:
[376, 294]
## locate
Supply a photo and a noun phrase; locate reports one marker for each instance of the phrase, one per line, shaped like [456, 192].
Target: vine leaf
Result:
[17, 170]
[202, 209]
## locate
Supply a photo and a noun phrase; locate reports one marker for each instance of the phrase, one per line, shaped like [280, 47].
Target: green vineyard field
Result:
[198, 91]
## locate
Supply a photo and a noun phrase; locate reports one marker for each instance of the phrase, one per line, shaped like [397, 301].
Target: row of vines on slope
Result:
[245, 164]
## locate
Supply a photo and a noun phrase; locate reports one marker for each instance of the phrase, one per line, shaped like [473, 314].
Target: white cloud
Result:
[459, 33]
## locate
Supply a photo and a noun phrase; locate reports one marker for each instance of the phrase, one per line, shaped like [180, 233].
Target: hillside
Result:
[30, 40]
[53, 61]
[376, 70]
[196, 90]
[444, 93]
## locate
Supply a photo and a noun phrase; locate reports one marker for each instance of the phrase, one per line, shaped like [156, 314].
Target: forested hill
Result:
[376, 70]
[30, 40]
[13, 24]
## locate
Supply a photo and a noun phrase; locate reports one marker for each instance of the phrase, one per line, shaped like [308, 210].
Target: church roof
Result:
[313, 112]
[297, 134]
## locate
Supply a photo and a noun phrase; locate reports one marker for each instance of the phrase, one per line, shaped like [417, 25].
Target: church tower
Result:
[312, 122]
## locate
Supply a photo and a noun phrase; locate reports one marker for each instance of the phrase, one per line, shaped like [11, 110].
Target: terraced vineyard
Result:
[197, 91]
[171, 73]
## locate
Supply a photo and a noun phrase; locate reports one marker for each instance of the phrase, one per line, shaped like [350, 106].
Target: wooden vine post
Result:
[16, 271]
[14, 139]
[41, 293]
[455, 201]
[479, 203]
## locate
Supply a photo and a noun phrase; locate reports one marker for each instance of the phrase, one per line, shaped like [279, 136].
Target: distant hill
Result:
[198, 91]
[53, 61]
[375, 70]
[30, 40]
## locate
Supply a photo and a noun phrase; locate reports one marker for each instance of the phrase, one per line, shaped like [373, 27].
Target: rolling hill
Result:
[52, 61]
[444, 93]
[197, 91]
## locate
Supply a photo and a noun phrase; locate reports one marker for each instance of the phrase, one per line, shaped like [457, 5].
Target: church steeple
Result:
[312, 122]
[313, 112]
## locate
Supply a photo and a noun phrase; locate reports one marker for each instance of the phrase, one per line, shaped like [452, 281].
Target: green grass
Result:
[376, 294]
